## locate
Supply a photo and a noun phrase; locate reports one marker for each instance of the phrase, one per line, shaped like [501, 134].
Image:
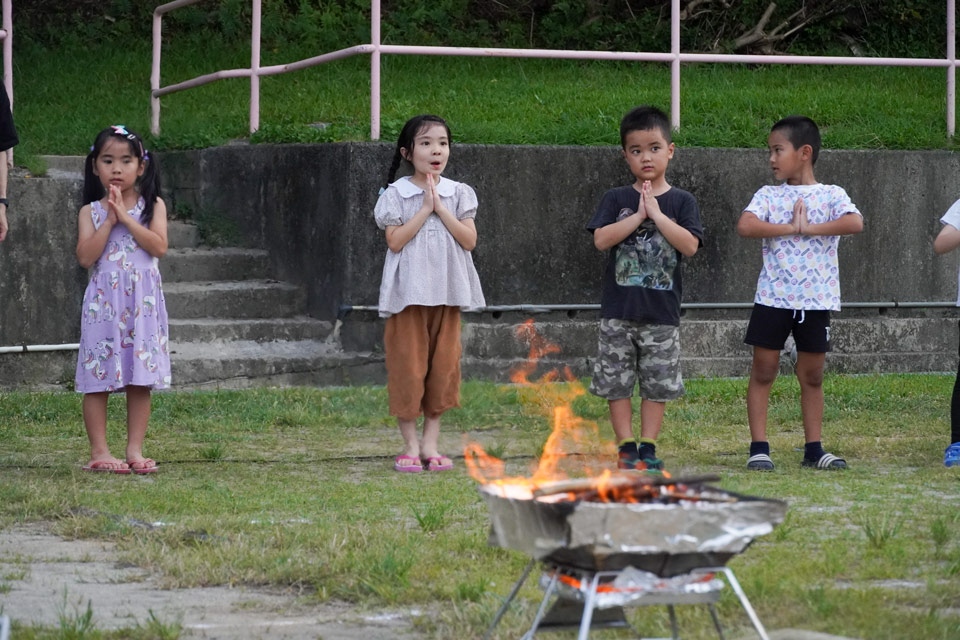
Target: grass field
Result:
[508, 101]
[295, 489]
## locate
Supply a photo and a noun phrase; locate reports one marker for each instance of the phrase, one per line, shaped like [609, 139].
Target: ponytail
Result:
[149, 187]
[393, 167]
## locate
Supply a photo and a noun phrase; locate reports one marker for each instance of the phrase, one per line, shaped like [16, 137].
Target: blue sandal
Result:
[951, 456]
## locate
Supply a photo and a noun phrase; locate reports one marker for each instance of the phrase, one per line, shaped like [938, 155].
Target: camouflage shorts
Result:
[631, 352]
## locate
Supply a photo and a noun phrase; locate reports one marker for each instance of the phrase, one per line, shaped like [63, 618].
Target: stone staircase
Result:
[232, 325]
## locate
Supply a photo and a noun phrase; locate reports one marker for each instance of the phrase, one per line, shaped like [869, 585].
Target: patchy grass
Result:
[295, 488]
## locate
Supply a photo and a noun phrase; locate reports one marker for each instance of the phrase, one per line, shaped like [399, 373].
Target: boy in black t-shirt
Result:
[648, 226]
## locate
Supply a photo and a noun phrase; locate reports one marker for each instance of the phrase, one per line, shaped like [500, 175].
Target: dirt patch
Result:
[39, 568]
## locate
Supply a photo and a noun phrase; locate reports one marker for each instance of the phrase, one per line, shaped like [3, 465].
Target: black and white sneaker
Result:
[826, 461]
[760, 462]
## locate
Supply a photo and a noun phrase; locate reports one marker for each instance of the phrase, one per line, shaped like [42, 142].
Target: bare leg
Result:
[411, 443]
[651, 418]
[810, 375]
[766, 363]
[138, 416]
[621, 416]
[431, 434]
[95, 421]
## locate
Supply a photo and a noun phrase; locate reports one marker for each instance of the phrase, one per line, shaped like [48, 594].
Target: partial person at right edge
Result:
[947, 240]
[8, 140]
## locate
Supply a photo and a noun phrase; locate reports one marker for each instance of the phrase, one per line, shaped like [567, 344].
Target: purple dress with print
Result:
[123, 333]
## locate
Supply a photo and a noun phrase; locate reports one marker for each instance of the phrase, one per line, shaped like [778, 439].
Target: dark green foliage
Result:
[913, 28]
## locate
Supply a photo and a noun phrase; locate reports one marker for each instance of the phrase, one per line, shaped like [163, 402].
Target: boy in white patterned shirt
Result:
[800, 222]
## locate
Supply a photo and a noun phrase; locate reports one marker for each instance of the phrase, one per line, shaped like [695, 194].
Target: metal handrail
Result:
[6, 34]
[376, 48]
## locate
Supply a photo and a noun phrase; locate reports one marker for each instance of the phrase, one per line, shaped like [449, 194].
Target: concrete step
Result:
[206, 330]
[204, 264]
[182, 235]
[246, 353]
[242, 363]
[228, 299]
[64, 167]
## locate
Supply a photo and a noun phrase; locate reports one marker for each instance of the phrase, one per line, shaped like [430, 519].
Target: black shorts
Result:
[769, 328]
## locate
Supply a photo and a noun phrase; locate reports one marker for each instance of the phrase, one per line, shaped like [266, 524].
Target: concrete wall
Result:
[311, 205]
[41, 284]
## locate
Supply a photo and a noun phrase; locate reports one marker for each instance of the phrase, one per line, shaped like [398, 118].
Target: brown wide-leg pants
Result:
[423, 360]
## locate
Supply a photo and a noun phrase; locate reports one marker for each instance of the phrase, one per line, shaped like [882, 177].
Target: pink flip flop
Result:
[434, 463]
[143, 470]
[407, 468]
[98, 467]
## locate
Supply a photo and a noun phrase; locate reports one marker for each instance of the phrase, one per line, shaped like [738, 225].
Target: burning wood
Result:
[632, 487]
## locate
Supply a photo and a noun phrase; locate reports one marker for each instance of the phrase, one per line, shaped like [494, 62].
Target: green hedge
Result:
[876, 27]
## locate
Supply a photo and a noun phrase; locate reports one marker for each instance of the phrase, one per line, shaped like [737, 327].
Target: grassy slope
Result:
[250, 467]
[486, 100]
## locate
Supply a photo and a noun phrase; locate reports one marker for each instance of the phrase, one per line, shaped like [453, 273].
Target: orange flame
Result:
[574, 445]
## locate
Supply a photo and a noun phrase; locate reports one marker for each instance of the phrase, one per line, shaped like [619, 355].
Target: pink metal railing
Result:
[376, 48]
[6, 34]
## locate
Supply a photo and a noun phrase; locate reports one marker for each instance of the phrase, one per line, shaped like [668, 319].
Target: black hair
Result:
[410, 130]
[644, 118]
[800, 130]
[149, 182]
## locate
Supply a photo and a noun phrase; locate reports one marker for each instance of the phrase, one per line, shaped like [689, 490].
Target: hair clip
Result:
[146, 155]
[91, 147]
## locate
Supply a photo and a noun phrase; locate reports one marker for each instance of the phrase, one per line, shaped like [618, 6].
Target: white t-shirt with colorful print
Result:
[799, 271]
[952, 218]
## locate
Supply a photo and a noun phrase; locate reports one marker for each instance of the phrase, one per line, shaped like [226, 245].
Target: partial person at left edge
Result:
[8, 140]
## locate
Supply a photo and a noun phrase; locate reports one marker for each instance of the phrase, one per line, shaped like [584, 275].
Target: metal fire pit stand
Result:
[564, 612]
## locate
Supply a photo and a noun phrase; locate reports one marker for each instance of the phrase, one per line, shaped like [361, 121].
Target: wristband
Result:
[5, 203]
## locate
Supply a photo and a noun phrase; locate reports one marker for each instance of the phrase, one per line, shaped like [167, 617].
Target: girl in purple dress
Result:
[123, 335]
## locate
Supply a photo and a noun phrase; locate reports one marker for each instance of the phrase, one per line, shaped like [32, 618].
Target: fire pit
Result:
[611, 539]
[679, 525]
[626, 539]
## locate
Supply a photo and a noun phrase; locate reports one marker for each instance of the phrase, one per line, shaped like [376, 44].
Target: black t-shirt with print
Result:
[642, 280]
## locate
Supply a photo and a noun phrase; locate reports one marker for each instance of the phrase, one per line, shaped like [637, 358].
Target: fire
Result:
[574, 447]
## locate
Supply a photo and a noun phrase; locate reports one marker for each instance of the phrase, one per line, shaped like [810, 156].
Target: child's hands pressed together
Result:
[799, 223]
[115, 205]
[650, 204]
[438, 205]
[641, 208]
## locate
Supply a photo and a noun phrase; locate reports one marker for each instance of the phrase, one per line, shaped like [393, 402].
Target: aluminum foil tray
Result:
[664, 539]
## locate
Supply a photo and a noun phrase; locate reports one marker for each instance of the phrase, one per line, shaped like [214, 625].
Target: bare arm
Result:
[847, 224]
[613, 234]
[947, 240]
[750, 226]
[4, 227]
[678, 236]
[399, 235]
[463, 231]
[152, 239]
[90, 240]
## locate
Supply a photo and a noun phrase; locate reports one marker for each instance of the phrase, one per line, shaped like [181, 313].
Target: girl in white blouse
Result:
[428, 275]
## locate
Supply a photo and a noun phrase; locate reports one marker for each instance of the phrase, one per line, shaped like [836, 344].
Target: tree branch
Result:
[756, 34]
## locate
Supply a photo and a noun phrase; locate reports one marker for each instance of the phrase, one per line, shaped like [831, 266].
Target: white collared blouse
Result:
[432, 269]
